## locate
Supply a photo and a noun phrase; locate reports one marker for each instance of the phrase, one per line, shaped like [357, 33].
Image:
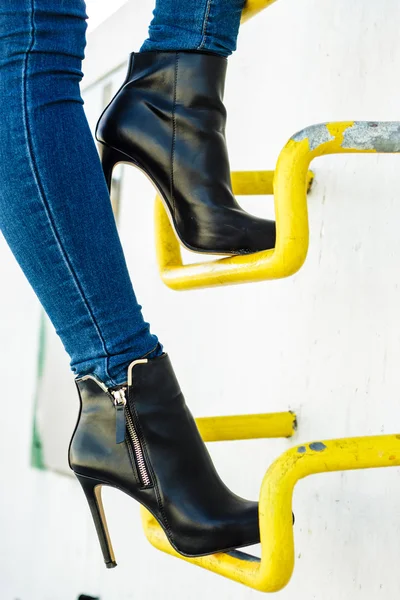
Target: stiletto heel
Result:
[109, 159]
[92, 489]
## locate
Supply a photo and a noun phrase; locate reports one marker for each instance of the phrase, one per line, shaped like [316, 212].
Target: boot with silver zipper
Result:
[141, 438]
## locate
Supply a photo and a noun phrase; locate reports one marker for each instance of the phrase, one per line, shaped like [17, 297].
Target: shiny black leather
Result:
[168, 118]
[198, 513]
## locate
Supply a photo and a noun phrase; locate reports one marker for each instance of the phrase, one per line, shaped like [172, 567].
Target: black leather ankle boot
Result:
[168, 119]
[141, 438]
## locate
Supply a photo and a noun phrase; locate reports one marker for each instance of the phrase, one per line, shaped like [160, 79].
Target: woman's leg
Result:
[211, 25]
[55, 210]
[56, 215]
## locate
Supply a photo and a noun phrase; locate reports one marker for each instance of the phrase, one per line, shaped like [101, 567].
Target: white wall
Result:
[99, 10]
[325, 342]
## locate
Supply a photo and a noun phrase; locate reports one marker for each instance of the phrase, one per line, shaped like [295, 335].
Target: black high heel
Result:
[141, 438]
[92, 488]
[168, 119]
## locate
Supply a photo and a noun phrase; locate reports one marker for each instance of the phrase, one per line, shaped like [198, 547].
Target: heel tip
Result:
[111, 565]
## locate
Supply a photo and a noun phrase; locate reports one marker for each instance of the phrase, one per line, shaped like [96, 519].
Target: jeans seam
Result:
[150, 351]
[35, 173]
[205, 23]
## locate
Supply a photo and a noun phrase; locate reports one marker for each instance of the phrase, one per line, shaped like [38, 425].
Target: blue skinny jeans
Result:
[211, 25]
[55, 210]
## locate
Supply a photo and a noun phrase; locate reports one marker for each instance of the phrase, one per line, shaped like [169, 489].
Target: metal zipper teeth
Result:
[137, 448]
[120, 398]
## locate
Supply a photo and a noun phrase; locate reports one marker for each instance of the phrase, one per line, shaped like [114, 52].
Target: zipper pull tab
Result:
[119, 403]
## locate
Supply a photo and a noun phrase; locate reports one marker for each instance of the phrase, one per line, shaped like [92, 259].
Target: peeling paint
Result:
[301, 449]
[316, 135]
[382, 136]
[317, 446]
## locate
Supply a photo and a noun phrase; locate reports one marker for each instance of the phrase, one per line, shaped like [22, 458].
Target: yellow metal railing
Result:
[291, 181]
[178, 276]
[270, 264]
[273, 571]
[247, 427]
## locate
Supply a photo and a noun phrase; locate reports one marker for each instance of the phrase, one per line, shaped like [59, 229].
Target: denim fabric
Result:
[55, 210]
[211, 25]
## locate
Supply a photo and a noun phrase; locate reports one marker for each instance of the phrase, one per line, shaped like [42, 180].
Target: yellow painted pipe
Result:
[291, 213]
[252, 183]
[247, 427]
[178, 276]
[274, 570]
[258, 183]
